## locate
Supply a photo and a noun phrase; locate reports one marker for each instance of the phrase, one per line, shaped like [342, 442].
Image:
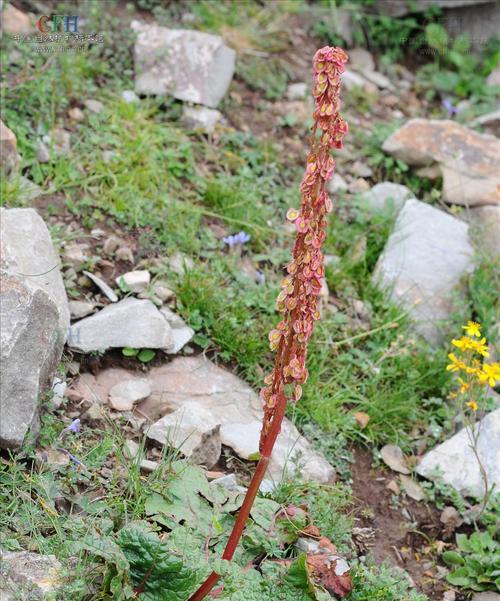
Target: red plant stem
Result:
[246, 507]
[306, 269]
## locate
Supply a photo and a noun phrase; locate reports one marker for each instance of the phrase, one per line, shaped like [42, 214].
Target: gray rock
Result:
[124, 253]
[31, 347]
[76, 254]
[433, 172]
[192, 429]
[26, 189]
[108, 156]
[79, 309]
[388, 195]
[487, 596]
[103, 287]
[42, 152]
[15, 22]
[297, 91]
[352, 80]
[343, 25]
[236, 408]
[423, 263]
[130, 96]
[337, 184]
[53, 457]
[490, 122]
[135, 281]
[162, 291]
[94, 106]
[189, 65]
[131, 449]
[148, 466]
[307, 545]
[493, 78]
[469, 161]
[360, 169]
[378, 79]
[201, 117]
[59, 140]
[111, 244]
[361, 60]
[181, 332]
[35, 319]
[292, 453]
[229, 482]
[180, 264]
[486, 228]
[76, 114]
[129, 323]
[9, 157]
[458, 464]
[125, 394]
[29, 576]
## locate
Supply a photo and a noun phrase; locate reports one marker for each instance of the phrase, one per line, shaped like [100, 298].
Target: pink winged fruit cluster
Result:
[300, 289]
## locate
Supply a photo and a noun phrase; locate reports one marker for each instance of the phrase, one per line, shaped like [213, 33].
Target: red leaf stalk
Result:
[298, 299]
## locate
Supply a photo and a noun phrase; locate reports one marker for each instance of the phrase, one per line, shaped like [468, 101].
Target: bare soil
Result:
[407, 533]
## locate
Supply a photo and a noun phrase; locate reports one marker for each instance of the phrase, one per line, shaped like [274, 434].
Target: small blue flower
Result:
[72, 457]
[450, 107]
[73, 427]
[236, 239]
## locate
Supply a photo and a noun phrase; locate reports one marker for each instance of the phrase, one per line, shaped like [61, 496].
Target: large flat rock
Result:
[187, 64]
[131, 323]
[195, 405]
[457, 463]
[469, 161]
[34, 320]
[426, 256]
[236, 408]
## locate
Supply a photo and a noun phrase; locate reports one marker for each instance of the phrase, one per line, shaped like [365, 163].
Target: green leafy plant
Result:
[381, 583]
[145, 355]
[456, 70]
[476, 563]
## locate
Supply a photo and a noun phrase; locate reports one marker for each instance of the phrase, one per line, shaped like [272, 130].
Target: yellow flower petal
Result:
[473, 329]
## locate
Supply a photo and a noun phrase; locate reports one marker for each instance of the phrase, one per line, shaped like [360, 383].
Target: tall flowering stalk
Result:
[298, 299]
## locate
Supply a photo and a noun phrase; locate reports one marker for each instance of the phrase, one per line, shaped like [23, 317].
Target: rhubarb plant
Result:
[300, 289]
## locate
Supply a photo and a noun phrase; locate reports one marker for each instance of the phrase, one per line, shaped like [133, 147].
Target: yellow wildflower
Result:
[472, 405]
[481, 347]
[464, 386]
[456, 364]
[473, 329]
[489, 374]
[463, 343]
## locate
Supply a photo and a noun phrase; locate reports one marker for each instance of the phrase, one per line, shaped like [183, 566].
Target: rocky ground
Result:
[145, 184]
